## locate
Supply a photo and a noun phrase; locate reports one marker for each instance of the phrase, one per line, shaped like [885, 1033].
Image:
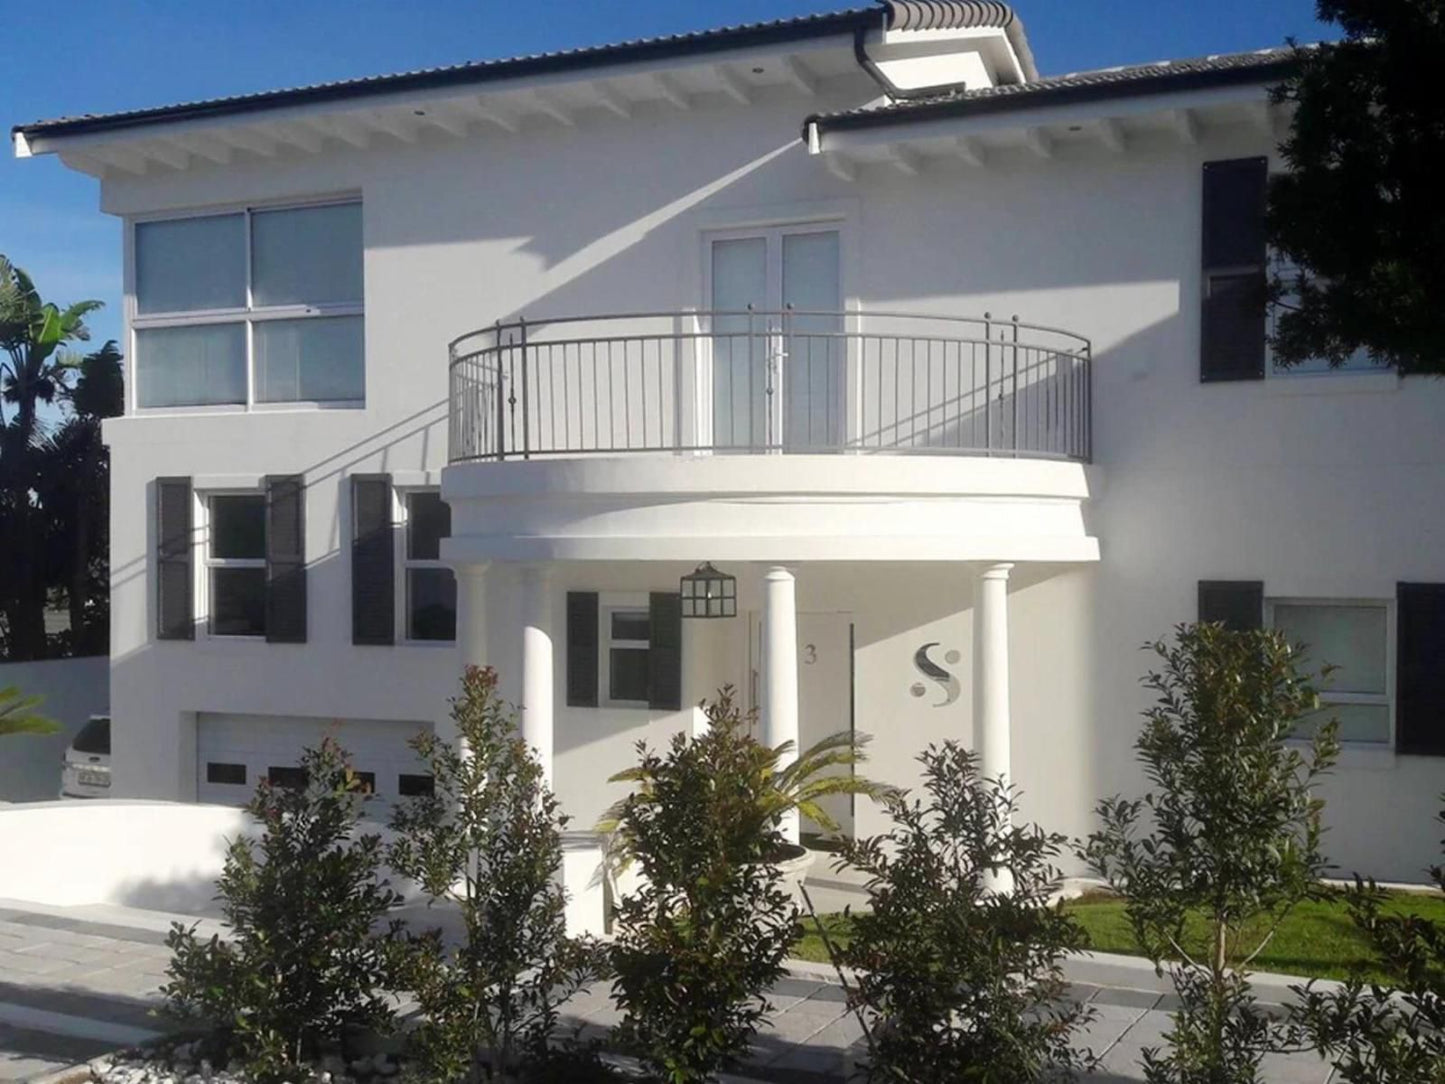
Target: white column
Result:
[780, 673]
[471, 614]
[471, 631]
[537, 677]
[990, 682]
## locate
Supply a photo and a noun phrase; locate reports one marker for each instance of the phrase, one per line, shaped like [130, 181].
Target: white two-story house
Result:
[846, 360]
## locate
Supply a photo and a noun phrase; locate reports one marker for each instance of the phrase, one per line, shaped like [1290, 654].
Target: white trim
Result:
[248, 315]
[205, 563]
[1329, 696]
[607, 605]
[401, 519]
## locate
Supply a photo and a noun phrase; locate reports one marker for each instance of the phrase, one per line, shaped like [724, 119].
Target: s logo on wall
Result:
[937, 674]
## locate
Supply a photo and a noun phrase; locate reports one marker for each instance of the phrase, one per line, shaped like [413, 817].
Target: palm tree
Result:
[801, 785]
[34, 369]
[18, 714]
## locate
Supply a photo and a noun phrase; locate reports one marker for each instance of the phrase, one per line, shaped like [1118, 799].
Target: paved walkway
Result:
[77, 981]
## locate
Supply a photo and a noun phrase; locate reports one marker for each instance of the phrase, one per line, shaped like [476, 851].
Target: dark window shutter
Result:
[1420, 668]
[1238, 604]
[664, 660]
[1232, 316]
[373, 561]
[286, 559]
[582, 649]
[175, 612]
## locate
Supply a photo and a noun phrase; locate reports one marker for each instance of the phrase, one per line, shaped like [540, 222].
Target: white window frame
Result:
[607, 606]
[1276, 266]
[1330, 696]
[207, 563]
[401, 517]
[247, 315]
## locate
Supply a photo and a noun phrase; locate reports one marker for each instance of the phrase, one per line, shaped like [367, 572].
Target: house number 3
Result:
[810, 654]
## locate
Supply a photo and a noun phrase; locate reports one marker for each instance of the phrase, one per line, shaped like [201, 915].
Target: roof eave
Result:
[708, 43]
[963, 107]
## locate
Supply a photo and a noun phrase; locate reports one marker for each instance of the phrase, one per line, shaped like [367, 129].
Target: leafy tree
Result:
[1381, 1034]
[1229, 835]
[957, 982]
[305, 961]
[1359, 210]
[72, 484]
[35, 369]
[489, 839]
[704, 937]
[18, 714]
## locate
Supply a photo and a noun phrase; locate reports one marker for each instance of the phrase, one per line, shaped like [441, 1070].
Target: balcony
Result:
[753, 382]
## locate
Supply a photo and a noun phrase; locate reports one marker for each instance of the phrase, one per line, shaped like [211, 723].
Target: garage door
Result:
[235, 752]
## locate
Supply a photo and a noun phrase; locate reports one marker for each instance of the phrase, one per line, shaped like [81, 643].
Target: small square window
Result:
[238, 602]
[415, 786]
[627, 673]
[428, 521]
[631, 625]
[431, 604]
[238, 527]
[290, 778]
[429, 607]
[230, 775]
[627, 649]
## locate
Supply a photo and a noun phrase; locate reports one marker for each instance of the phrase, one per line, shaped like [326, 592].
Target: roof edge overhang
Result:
[1033, 99]
[30, 139]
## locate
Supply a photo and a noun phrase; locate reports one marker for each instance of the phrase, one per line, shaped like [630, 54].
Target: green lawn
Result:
[1317, 940]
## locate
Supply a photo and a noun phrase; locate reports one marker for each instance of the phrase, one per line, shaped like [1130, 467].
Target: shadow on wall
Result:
[74, 690]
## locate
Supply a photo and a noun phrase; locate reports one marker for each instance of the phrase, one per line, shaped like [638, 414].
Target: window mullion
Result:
[250, 329]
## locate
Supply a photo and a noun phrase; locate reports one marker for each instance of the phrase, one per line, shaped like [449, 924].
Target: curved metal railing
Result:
[753, 382]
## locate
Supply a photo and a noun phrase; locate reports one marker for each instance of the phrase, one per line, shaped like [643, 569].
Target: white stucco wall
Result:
[1319, 487]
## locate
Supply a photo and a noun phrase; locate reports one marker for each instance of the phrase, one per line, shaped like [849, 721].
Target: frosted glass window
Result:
[813, 375]
[1351, 638]
[306, 256]
[739, 349]
[202, 365]
[190, 264]
[310, 360]
[1354, 640]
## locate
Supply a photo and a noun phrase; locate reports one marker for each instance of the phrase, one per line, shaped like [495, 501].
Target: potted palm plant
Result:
[802, 785]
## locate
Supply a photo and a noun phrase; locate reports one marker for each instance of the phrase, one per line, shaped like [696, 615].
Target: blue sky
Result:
[78, 56]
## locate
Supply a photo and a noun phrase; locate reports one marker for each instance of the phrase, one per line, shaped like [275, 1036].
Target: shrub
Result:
[705, 936]
[305, 962]
[800, 786]
[1231, 834]
[956, 981]
[1381, 1034]
[488, 839]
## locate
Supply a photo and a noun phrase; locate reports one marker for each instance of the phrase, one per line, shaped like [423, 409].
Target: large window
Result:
[251, 307]
[1354, 639]
[430, 607]
[1358, 362]
[236, 564]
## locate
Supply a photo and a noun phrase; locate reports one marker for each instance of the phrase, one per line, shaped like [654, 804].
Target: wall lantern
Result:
[709, 593]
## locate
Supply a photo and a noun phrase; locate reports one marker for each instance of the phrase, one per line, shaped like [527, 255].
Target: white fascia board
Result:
[1016, 120]
[401, 100]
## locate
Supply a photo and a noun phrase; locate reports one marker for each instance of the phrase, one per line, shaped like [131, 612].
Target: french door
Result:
[778, 352]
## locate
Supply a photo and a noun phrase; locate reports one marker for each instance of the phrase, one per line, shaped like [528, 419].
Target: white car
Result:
[86, 773]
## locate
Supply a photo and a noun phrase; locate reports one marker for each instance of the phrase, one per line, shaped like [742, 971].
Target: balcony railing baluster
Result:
[752, 381]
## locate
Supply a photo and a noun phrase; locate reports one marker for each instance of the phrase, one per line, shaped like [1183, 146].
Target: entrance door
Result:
[825, 692]
[777, 362]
